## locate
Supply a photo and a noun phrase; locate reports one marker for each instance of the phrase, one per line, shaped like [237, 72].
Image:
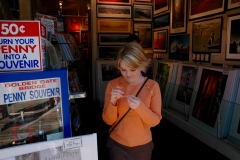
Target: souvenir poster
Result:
[162, 76]
[209, 96]
[186, 85]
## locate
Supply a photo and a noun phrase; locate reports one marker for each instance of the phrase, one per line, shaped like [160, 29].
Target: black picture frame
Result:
[207, 36]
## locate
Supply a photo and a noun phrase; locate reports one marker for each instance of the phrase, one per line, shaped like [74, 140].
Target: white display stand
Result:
[74, 148]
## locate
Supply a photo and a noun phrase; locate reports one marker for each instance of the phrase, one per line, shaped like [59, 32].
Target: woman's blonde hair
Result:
[134, 56]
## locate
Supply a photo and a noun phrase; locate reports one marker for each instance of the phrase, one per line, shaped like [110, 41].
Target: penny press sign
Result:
[22, 46]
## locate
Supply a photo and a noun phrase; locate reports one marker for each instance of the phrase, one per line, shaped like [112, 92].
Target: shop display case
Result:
[34, 107]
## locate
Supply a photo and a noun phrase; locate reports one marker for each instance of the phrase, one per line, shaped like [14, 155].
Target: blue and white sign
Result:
[20, 91]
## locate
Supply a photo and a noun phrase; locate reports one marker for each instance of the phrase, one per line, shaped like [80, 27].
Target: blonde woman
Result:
[131, 139]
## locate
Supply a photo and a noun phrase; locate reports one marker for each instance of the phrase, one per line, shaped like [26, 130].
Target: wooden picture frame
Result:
[116, 11]
[179, 47]
[112, 39]
[233, 36]
[144, 31]
[108, 52]
[160, 40]
[178, 16]
[233, 4]
[142, 12]
[73, 24]
[114, 25]
[160, 6]
[84, 24]
[124, 2]
[207, 36]
[162, 20]
[76, 36]
[199, 9]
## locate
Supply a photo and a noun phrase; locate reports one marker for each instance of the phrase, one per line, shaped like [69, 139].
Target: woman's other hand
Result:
[133, 101]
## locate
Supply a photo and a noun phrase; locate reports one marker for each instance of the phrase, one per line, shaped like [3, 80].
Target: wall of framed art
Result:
[191, 33]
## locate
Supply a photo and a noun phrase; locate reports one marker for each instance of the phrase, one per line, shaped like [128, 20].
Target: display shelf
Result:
[223, 146]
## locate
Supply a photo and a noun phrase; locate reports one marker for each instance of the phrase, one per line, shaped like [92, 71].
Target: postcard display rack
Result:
[35, 119]
[205, 103]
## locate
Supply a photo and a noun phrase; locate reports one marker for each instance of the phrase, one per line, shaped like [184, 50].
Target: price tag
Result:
[72, 143]
[225, 72]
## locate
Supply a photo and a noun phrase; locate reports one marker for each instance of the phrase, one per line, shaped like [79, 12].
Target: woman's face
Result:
[131, 75]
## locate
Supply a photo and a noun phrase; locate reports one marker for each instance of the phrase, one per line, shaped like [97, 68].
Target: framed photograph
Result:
[112, 39]
[108, 52]
[114, 26]
[84, 37]
[207, 36]
[73, 24]
[233, 4]
[160, 6]
[233, 38]
[161, 20]
[179, 47]
[160, 40]
[114, 11]
[76, 36]
[201, 57]
[60, 24]
[199, 9]
[142, 13]
[178, 16]
[144, 32]
[125, 2]
[106, 70]
[84, 24]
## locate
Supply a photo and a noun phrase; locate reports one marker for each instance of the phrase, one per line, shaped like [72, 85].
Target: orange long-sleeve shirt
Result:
[134, 129]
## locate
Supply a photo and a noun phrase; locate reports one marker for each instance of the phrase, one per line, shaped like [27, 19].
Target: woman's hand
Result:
[133, 101]
[116, 94]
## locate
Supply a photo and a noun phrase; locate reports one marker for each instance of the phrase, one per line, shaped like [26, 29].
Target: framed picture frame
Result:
[233, 4]
[144, 31]
[207, 36]
[160, 6]
[106, 70]
[112, 39]
[114, 11]
[108, 52]
[114, 25]
[142, 12]
[233, 36]
[160, 40]
[162, 20]
[199, 9]
[60, 24]
[124, 2]
[84, 24]
[73, 24]
[178, 17]
[76, 36]
[179, 47]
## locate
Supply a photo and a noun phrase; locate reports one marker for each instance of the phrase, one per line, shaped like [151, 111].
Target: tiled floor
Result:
[171, 142]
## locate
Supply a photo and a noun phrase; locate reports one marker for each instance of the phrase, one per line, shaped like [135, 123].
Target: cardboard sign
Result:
[20, 91]
[22, 46]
